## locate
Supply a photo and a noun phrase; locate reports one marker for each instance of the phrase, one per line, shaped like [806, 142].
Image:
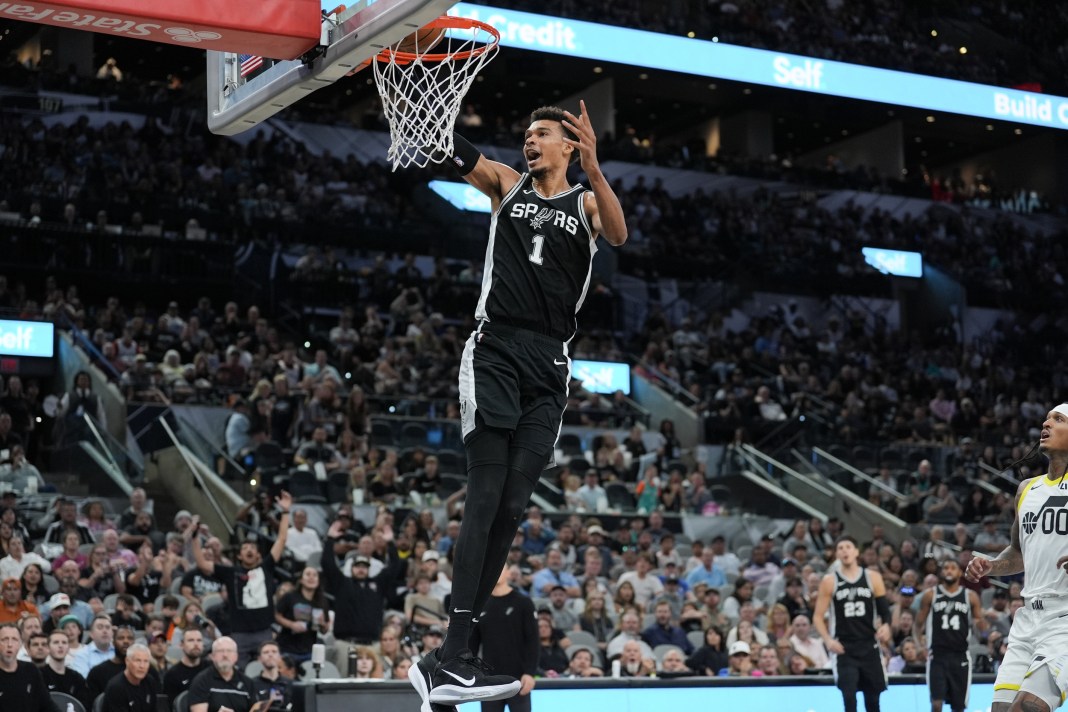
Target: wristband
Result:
[882, 607]
[464, 155]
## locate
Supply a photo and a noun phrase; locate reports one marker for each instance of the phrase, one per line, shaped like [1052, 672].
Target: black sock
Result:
[487, 470]
[871, 702]
[850, 701]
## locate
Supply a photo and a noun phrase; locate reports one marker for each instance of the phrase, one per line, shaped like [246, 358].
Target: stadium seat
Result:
[619, 497]
[413, 434]
[571, 444]
[303, 485]
[66, 702]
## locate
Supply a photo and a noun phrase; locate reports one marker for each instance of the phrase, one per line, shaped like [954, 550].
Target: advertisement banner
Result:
[719, 60]
[280, 29]
[27, 338]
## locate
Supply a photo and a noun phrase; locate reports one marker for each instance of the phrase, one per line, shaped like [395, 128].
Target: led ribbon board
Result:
[27, 338]
[602, 376]
[461, 195]
[895, 262]
[590, 40]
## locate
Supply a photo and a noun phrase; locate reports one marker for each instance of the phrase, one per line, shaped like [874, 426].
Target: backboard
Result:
[350, 37]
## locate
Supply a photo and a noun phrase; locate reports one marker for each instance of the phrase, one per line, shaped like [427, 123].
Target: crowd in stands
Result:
[375, 593]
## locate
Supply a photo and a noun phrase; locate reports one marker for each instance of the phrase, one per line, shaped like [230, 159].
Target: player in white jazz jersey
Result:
[1026, 679]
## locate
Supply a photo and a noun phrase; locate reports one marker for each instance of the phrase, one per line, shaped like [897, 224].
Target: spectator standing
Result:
[303, 541]
[303, 614]
[359, 600]
[508, 637]
[250, 583]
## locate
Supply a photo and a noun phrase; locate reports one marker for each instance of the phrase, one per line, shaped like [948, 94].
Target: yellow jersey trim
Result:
[1006, 686]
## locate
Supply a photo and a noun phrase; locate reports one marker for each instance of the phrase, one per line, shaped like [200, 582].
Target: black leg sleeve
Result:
[487, 468]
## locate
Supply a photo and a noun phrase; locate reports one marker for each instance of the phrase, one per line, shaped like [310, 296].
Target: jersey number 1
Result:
[535, 255]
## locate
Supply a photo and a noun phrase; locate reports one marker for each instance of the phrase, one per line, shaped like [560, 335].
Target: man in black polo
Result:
[271, 685]
[136, 689]
[101, 674]
[177, 679]
[222, 684]
[21, 686]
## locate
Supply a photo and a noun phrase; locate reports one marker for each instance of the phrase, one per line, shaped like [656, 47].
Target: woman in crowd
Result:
[390, 652]
[624, 598]
[33, 588]
[595, 619]
[303, 614]
[192, 617]
[96, 518]
[778, 624]
[551, 657]
[711, 657]
[368, 664]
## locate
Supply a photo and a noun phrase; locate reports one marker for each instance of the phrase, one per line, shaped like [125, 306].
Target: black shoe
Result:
[421, 675]
[466, 678]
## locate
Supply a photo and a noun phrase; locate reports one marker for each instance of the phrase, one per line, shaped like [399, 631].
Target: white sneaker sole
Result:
[455, 694]
[419, 683]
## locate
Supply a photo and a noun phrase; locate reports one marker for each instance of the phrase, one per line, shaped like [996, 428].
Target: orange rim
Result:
[449, 23]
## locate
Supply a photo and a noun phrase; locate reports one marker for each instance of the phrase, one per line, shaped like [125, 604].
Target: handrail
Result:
[845, 492]
[857, 473]
[787, 469]
[763, 482]
[103, 445]
[212, 448]
[999, 473]
[197, 476]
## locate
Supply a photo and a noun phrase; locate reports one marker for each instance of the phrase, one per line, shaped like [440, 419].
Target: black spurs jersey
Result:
[949, 624]
[538, 261]
[854, 609]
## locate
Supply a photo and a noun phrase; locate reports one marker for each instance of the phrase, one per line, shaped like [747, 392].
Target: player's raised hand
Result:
[586, 144]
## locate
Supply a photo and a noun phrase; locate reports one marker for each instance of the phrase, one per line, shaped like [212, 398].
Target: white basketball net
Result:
[422, 99]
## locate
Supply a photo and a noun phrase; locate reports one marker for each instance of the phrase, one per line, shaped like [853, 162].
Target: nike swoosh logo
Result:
[460, 611]
[559, 363]
[527, 192]
[463, 681]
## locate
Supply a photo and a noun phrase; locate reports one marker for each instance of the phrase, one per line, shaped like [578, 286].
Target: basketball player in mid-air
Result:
[515, 368]
[947, 614]
[856, 599]
[1033, 677]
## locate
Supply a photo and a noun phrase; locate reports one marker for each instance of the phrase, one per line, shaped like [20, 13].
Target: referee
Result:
[507, 633]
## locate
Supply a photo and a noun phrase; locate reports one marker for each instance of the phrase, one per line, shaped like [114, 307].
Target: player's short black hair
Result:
[554, 113]
[846, 537]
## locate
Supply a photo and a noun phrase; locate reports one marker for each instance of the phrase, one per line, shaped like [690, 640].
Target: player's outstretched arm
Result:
[606, 214]
[1009, 561]
[488, 177]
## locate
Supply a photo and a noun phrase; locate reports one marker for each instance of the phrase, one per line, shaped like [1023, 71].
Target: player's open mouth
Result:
[532, 156]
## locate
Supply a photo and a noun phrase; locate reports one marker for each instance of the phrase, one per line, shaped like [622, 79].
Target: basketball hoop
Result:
[422, 89]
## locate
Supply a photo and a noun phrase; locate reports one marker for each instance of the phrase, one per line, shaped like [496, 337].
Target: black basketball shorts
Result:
[516, 380]
[949, 675]
[860, 667]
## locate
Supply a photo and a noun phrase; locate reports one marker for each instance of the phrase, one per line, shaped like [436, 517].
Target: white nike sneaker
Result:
[466, 678]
